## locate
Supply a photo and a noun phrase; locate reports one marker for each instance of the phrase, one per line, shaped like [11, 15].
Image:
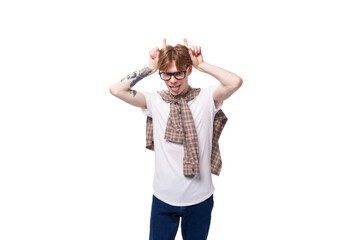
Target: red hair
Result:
[179, 53]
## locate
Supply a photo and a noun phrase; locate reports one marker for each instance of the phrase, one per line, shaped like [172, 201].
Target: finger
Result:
[190, 51]
[153, 52]
[164, 43]
[157, 53]
[196, 50]
[186, 43]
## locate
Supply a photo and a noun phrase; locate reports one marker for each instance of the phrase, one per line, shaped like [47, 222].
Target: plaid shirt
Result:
[180, 128]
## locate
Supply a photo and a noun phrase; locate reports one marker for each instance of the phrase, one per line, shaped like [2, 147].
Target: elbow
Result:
[115, 91]
[119, 93]
[238, 82]
[112, 90]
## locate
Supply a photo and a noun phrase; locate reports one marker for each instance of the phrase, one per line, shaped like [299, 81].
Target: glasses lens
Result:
[179, 75]
[165, 76]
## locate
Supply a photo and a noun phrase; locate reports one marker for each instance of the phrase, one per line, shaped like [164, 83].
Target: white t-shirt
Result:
[170, 185]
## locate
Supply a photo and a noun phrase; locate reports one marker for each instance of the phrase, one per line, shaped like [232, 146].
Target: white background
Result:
[73, 162]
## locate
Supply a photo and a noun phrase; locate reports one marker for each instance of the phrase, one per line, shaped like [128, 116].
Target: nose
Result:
[173, 79]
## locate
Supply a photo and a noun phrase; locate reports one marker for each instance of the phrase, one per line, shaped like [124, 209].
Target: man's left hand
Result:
[195, 54]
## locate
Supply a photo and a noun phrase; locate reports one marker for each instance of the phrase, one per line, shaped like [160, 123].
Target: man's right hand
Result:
[154, 56]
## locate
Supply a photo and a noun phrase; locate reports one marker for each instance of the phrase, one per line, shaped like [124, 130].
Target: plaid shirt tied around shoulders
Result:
[180, 128]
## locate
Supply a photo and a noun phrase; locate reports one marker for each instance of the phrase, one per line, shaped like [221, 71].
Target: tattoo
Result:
[138, 75]
[133, 92]
[122, 80]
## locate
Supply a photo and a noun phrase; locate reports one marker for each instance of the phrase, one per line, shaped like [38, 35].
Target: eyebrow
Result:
[175, 72]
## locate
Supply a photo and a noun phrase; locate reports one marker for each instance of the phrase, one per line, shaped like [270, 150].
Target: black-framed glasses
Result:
[180, 75]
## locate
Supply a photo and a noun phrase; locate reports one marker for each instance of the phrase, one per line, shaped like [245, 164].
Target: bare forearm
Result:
[226, 78]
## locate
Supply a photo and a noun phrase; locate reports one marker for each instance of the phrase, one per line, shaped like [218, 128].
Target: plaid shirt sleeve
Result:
[219, 124]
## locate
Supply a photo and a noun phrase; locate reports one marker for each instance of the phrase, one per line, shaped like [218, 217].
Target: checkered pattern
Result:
[219, 124]
[180, 128]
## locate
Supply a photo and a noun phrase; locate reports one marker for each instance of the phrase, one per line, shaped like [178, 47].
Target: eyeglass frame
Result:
[173, 74]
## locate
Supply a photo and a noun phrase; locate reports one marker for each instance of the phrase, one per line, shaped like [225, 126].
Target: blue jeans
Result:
[195, 220]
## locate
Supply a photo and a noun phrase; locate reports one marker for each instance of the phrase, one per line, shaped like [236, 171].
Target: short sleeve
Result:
[149, 96]
[216, 108]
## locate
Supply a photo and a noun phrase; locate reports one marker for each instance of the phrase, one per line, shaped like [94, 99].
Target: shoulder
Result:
[205, 97]
[208, 94]
[152, 96]
[154, 99]
[207, 91]
[153, 102]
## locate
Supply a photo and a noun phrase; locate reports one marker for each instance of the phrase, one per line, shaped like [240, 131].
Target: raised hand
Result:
[154, 56]
[195, 54]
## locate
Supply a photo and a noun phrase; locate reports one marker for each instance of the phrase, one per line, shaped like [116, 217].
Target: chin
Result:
[175, 93]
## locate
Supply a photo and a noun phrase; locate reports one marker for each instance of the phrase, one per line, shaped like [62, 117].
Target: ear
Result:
[189, 71]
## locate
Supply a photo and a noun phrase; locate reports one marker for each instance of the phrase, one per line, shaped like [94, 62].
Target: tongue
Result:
[175, 89]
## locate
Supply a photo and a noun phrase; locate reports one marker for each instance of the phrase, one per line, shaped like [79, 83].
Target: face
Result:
[175, 86]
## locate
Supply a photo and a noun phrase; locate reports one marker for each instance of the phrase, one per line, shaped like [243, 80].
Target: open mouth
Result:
[175, 88]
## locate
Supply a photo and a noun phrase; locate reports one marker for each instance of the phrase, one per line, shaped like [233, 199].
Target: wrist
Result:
[202, 67]
[152, 68]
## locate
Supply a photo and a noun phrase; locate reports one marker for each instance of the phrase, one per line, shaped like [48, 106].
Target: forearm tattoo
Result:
[135, 77]
[133, 92]
[138, 75]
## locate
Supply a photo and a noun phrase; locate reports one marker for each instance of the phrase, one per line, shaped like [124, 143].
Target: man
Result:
[183, 127]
